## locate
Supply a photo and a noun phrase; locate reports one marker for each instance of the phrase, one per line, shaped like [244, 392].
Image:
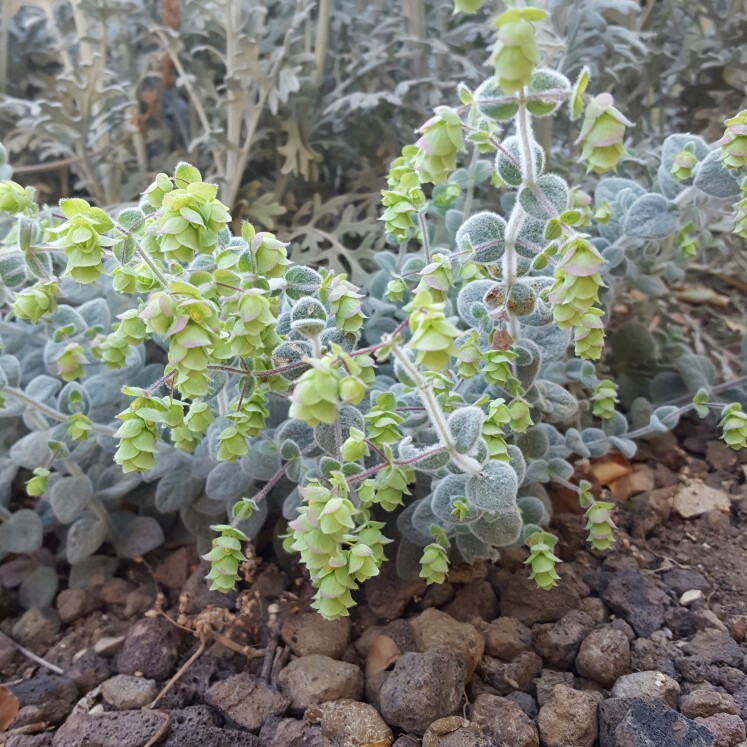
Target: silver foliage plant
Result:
[161, 372]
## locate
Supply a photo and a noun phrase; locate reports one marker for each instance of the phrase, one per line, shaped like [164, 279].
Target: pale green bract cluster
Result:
[224, 380]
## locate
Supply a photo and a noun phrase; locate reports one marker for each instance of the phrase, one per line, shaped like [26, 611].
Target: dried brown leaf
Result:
[9, 707]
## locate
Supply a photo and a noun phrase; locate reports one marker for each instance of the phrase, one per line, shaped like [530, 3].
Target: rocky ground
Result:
[642, 647]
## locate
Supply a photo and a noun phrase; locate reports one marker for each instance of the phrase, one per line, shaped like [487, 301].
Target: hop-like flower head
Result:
[734, 142]
[602, 134]
[734, 426]
[442, 138]
[516, 53]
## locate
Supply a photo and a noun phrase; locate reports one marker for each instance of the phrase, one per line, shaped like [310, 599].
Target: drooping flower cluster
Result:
[598, 515]
[338, 544]
[83, 237]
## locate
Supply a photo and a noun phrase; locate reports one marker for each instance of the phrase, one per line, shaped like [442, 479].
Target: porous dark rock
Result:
[388, 595]
[548, 680]
[72, 604]
[151, 649]
[647, 654]
[695, 670]
[44, 687]
[727, 729]
[37, 628]
[569, 717]
[638, 599]
[504, 722]
[316, 679]
[655, 724]
[29, 740]
[126, 693]
[199, 596]
[246, 700]
[108, 729]
[475, 600]
[198, 725]
[423, 687]
[558, 643]
[526, 702]
[350, 722]
[506, 638]
[715, 647]
[648, 685]
[519, 598]
[88, 670]
[611, 712]
[291, 732]
[434, 628]
[506, 676]
[680, 580]
[604, 656]
[704, 703]
[309, 633]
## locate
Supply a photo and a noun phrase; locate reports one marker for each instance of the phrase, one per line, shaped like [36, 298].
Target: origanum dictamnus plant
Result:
[430, 409]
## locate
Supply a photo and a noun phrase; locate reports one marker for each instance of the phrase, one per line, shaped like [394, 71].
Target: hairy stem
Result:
[51, 413]
[467, 464]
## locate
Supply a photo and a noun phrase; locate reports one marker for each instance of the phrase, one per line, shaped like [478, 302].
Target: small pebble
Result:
[691, 596]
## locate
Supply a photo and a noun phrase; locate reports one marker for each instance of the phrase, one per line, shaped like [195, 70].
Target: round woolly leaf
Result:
[491, 101]
[650, 217]
[552, 197]
[423, 517]
[410, 451]
[664, 418]
[556, 404]
[559, 469]
[297, 431]
[70, 496]
[262, 460]
[73, 398]
[541, 315]
[533, 510]
[346, 340]
[406, 526]
[13, 270]
[401, 372]
[465, 425]
[291, 352]
[326, 435]
[531, 238]
[140, 536]
[472, 548]
[302, 281]
[308, 308]
[228, 481]
[508, 161]
[715, 180]
[545, 80]
[408, 559]
[500, 531]
[470, 298]
[84, 537]
[176, 489]
[551, 340]
[534, 443]
[38, 588]
[495, 488]
[484, 235]
[517, 461]
[21, 533]
[596, 441]
[449, 490]
[10, 371]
